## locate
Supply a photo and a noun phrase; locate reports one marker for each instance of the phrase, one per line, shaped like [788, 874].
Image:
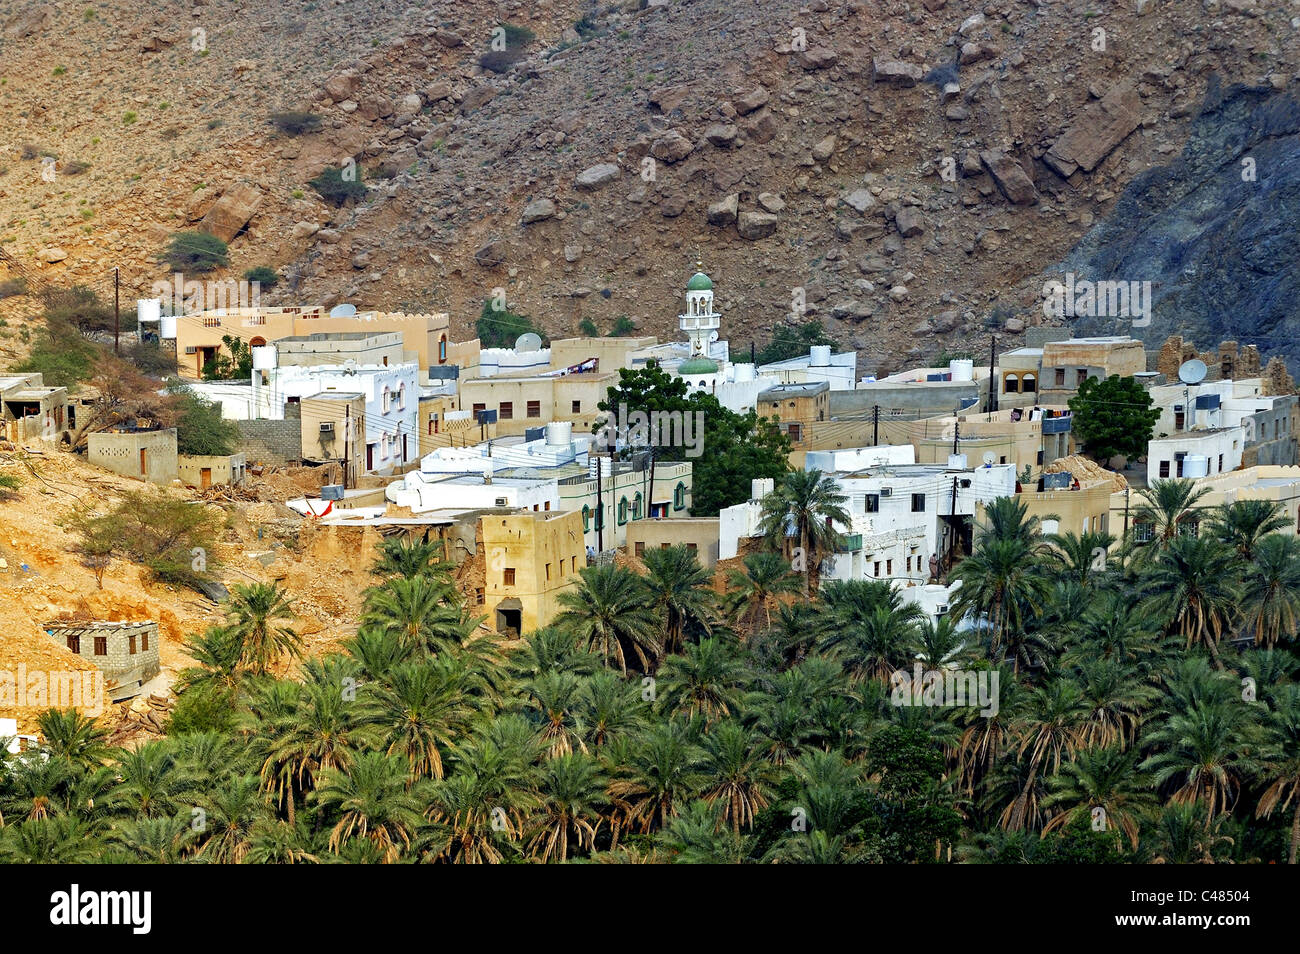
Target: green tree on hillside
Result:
[1113, 417]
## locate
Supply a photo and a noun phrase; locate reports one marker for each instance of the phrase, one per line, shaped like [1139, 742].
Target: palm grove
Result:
[1149, 710]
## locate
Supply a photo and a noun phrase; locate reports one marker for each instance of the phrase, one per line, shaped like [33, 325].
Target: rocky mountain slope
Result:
[905, 170]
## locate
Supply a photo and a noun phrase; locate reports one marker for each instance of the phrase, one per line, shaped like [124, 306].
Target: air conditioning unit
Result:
[503, 501]
[941, 609]
[886, 491]
[327, 427]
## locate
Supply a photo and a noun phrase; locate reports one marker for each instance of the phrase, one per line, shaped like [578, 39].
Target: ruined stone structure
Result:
[127, 653]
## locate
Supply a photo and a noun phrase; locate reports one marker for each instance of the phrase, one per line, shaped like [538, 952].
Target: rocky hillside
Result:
[915, 168]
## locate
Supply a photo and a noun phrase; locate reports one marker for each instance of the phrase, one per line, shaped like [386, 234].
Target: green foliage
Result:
[236, 366]
[588, 328]
[12, 287]
[200, 428]
[1113, 418]
[1115, 739]
[61, 354]
[501, 327]
[623, 327]
[736, 448]
[196, 251]
[334, 187]
[9, 486]
[788, 342]
[264, 275]
[153, 529]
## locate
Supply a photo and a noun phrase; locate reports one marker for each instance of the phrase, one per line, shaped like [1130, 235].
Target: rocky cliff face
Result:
[1216, 231]
[906, 171]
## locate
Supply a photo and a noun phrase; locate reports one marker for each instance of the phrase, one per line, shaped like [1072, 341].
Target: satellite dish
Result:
[343, 311]
[1192, 372]
[349, 366]
[528, 341]
[989, 457]
[713, 336]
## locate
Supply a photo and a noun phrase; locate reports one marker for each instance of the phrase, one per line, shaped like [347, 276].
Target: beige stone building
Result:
[796, 406]
[1067, 364]
[198, 335]
[530, 558]
[697, 534]
[202, 471]
[333, 430]
[524, 402]
[146, 455]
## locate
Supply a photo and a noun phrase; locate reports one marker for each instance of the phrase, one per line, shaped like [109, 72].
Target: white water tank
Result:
[167, 326]
[820, 356]
[264, 357]
[745, 372]
[962, 369]
[559, 433]
[148, 309]
[1195, 465]
[956, 461]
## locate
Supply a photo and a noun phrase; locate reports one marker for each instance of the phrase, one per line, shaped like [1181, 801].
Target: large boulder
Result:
[539, 210]
[1102, 126]
[1010, 177]
[232, 211]
[896, 72]
[596, 177]
[671, 147]
[723, 212]
[756, 225]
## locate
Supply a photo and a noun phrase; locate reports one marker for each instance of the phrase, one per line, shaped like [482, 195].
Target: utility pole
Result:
[956, 434]
[117, 319]
[600, 511]
[752, 359]
[952, 511]
[993, 392]
[347, 440]
[1124, 545]
[875, 426]
[650, 500]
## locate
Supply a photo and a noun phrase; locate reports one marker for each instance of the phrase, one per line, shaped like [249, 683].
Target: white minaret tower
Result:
[700, 323]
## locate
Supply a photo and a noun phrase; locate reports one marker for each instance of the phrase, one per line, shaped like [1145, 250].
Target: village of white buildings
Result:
[500, 453]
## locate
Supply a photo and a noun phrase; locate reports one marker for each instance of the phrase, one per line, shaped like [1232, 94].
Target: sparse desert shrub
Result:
[196, 252]
[75, 168]
[12, 287]
[295, 122]
[264, 275]
[333, 187]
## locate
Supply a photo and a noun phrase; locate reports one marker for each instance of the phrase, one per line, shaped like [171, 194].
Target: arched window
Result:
[622, 511]
[387, 399]
[679, 497]
[1029, 383]
[401, 396]
[442, 349]
[586, 518]
[637, 503]
[1011, 384]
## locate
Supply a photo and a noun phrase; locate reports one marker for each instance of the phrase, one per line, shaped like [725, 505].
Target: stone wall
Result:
[123, 670]
[272, 442]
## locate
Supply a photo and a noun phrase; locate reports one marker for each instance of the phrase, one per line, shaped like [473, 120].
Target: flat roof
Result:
[334, 396]
[811, 387]
[326, 336]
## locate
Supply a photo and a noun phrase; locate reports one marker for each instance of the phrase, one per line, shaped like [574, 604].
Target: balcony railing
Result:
[849, 542]
[1057, 425]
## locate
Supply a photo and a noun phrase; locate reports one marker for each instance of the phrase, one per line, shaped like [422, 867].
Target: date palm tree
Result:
[1004, 584]
[706, 681]
[70, 735]
[677, 587]
[573, 797]
[1103, 785]
[1194, 585]
[151, 782]
[1081, 557]
[1244, 524]
[1271, 603]
[373, 802]
[1205, 750]
[1048, 727]
[801, 511]
[420, 611]
[765, 577]
[700, 836]
[1282, 770]
[741, 780]
[160, 841]
[551, 702]
[608, 612]
[255, 610]
[219, 652]
[1169, 506]
[424, 708]
[939, 644]
[408, 557]
[1117, 697]
[230, 812]
[608, 707]
[662, 772]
